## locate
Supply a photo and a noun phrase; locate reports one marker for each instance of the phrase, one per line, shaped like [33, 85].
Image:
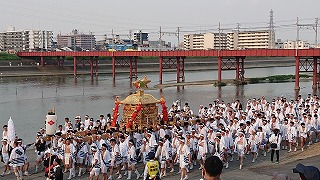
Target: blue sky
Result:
[101, 16]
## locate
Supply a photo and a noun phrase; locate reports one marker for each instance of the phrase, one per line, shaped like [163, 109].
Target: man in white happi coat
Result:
[168, 149]
[203, 150]
[5, 132]
[292, 135]
[161, 155]
[5, 156]
[132, 160]
[241, 143]
[17, 160]
[183, 154]
[123, 146]
[69, 157]
[96, 163]
[105, 160]
[82, 151]
[116, 159]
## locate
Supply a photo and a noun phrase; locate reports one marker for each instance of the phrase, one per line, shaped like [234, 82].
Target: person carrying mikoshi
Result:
[5, 150]
[69, 151]
[132, 160]
[151, 170]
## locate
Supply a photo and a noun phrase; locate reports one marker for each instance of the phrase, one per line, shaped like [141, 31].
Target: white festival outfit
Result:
[183, 152]
[5, 153]
[292, 134]
[105, 161]
[82, 152]
[17, 157]
[95, 168]
[240, 143]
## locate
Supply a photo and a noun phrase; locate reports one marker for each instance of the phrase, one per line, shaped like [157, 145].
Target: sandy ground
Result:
[262, 169]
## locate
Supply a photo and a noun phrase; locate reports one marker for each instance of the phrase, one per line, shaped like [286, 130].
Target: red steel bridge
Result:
[306, 60]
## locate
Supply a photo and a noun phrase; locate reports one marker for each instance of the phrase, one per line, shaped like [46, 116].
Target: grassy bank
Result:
[275, 79]
[7, 56]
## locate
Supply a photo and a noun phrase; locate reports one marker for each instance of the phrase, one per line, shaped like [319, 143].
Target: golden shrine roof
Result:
[140, 96]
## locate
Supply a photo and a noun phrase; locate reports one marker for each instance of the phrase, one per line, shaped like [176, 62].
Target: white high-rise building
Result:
[231, 40]
[25, 40]
[40, 40]
[296, 45]
[205, 41]
[249, 40]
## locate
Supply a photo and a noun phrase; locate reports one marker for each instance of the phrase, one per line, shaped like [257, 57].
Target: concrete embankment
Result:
[30, 67]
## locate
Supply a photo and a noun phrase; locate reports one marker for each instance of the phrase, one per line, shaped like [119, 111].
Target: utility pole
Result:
[308, 26]
[141, 41]
[91, 45]
[113, 41]
[297, 40]
[130, 36]
[219, 37]
[178, 35]
[74, 43]
[316, 29]
[160, 39]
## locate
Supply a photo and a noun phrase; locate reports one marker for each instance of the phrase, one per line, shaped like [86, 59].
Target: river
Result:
[28, 99]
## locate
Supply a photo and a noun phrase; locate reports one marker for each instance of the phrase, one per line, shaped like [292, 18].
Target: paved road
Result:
[262, 169]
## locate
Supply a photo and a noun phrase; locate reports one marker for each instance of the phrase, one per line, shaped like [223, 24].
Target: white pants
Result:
[95, 172]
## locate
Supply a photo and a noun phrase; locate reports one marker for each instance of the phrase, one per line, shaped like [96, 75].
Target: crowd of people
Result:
[228, 131]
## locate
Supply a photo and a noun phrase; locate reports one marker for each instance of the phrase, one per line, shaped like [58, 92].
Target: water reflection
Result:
[239, 91]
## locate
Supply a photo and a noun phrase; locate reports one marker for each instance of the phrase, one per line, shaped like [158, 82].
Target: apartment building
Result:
[250, 40]
[40, 40]
[231, 40]
[205, 41]
[75, 39]
[296, 45]
[25, 40]
[140, 38]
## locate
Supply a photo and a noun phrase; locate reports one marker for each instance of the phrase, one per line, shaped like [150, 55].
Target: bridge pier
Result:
[231, 63]
[91, 66]
[240, 69]
[160, 69]
[219, 68]
[96, 60]
[170, 63]
[315, 71]
[297, 74]
[180, 69]
[237, 68]
[133, 64]
[113, 68]
[241, 72]
[75, 66]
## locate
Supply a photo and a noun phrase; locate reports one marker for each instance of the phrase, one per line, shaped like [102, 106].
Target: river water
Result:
[28, 99]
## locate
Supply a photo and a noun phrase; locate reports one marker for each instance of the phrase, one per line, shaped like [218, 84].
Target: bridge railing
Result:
[187, 53]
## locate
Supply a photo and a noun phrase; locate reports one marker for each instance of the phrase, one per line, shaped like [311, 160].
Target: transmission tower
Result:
[271, 31]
